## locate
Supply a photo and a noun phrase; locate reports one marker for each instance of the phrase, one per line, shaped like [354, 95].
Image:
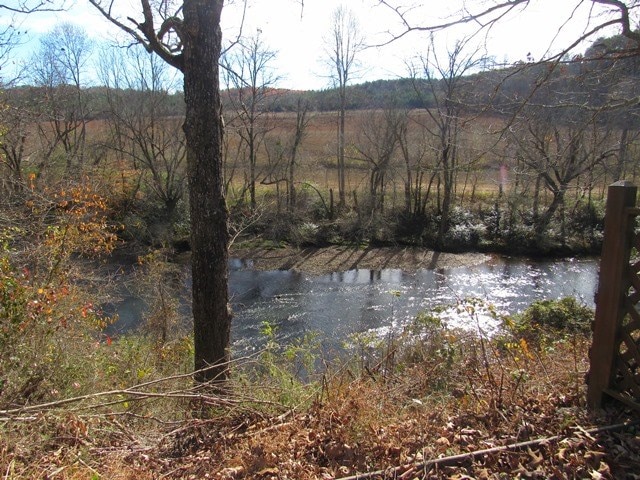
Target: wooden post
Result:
[614, 264]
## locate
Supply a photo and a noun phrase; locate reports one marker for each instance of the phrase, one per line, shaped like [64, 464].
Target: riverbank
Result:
[319, 261]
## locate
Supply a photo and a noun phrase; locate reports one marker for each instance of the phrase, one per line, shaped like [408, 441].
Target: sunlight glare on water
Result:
[361, 300]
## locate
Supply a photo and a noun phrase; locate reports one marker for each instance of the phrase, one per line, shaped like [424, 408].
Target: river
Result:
[339, 304]
[378, 301]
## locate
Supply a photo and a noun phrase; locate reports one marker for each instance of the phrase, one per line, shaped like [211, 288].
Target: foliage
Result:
[138, 358]
[465, 231]
[305, 233]
[47, 320]
[286, 372]
[549, 320]
[428, 392]
[80, 223]
[159, 283]
[41, 322]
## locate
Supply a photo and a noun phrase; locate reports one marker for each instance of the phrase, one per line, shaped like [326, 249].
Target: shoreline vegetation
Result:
[77, 405]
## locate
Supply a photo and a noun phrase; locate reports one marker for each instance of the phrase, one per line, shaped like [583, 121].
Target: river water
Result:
[340, 304]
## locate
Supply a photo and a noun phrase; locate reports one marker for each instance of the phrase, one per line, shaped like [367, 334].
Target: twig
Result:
[455, 459]
[110, 415]
[87, 465]
[134, 393]
[123, 392]
[10, 468]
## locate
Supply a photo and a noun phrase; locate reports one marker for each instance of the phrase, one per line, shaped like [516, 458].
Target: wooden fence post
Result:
[612, 288]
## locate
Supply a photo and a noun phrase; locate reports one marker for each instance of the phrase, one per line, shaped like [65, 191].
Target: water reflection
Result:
[339, 304]
[361, 300]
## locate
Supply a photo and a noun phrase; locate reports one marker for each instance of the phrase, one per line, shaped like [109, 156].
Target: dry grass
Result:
[317, 156]
[408, 407]
[316, 163]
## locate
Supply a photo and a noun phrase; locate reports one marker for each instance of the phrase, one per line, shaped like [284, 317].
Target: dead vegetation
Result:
[417, 406]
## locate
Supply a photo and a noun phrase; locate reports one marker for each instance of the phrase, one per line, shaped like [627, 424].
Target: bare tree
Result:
[282, 154]
[250, 75]
[557, 151]
[143, 127]
[442, 84]
[343, 45]
[9, 39]
[58, 69]
[414, 148]
[14, 117]
[611, 73]
[14, 132]
[10, 34]
[187, 35]
[377, 146]
[302, 121]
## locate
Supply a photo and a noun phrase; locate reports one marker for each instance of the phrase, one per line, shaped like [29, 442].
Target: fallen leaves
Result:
[351, 436]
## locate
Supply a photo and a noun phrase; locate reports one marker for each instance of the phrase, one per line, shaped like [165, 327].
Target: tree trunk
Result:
[622, 155]
[445, 211]
[209, 216]
[536, 199]
[447, 198]
[342, 186]
[291, 188]
[543, 222]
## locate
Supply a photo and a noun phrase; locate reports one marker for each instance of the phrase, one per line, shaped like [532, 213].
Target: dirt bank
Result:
[319, 261]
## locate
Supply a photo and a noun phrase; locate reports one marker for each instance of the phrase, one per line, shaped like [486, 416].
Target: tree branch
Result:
[39, 6]
[624, 20]
[484, 18]
[147, 36]
[172, 23]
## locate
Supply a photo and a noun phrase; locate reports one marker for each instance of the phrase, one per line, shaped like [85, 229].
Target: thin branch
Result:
[136, 392]
[40, 6]
[484, 18]
[240, 31]
[463, 457]
[490, 16]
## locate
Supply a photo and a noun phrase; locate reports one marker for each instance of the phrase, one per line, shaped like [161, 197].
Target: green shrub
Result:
[283, 374]
[46, 335]
[552, 319]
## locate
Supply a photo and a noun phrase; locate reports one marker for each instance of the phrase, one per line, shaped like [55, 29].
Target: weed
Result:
[550, 320]
[286, 373]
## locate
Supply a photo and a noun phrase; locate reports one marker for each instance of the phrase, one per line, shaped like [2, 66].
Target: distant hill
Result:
[377, 94]
[608, 69]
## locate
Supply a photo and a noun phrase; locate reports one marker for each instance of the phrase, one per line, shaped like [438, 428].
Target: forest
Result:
[444, 160]
[460, 156]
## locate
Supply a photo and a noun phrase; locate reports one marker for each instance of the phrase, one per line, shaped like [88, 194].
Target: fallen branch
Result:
[397, 472]
[136, 393]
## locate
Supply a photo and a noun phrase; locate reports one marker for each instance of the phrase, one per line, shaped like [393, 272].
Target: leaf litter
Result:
[421, 422]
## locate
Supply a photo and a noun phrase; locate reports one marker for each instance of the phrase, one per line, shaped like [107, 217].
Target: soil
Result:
[319, 261]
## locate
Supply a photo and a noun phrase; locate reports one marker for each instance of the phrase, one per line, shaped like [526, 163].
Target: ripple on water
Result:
[361, 300]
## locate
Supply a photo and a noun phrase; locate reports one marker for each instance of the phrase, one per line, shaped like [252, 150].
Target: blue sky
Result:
[298, 36]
